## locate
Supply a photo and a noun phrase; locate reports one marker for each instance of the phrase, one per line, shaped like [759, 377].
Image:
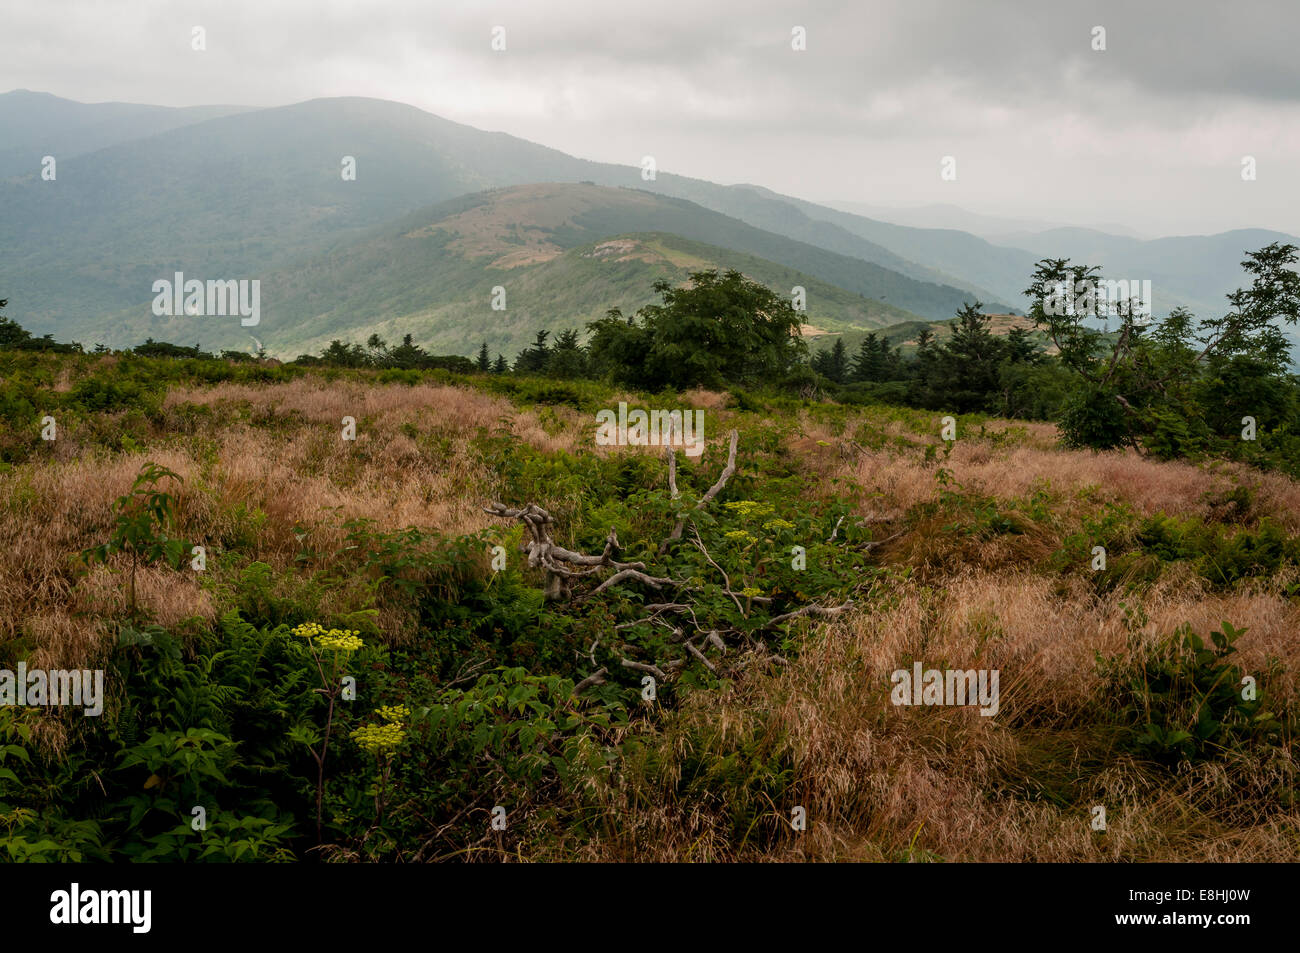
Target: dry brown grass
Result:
[274, 450]
[881, 782]
[267, 473]
[903, 480]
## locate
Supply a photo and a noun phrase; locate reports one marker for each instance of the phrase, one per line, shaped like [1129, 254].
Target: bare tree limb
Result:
[595, 678]
[562, 564]
[813, 611]
[653, 582]
[699, 544]
[836, 530]
[654, 670]
[713, 491]
[700, 655]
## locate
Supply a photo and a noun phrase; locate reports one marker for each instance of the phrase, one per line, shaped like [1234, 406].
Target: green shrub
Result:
[1186, 700]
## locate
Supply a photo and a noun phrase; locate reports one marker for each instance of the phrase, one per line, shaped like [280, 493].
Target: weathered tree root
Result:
[563, 564]
[671, 453]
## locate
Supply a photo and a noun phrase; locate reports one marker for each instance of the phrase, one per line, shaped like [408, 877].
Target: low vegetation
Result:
[457, 628]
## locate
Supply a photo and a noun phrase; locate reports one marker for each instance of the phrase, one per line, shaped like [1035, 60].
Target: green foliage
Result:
[718, 330]
[114, 401]
[1189, 701]
[1092, 418]
[14, 337]
[143, 518]
[1220, 554]
[405, 357]
[1176, 387]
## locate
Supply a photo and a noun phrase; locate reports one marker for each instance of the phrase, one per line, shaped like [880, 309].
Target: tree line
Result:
[1174, 387]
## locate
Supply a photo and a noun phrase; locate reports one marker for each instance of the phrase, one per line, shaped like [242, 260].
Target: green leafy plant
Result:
[329, 649]
[1186, 699]
[144, 518]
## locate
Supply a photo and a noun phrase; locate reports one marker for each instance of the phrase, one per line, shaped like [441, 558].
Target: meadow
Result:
[356, 672]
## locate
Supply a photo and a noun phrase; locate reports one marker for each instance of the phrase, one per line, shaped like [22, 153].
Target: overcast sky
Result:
[1150, 133]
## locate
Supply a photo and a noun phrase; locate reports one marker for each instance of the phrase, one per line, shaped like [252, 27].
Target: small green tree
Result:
[534, 360]
[14, 337]
[715, 330]
[837, 366]
[568, 358]
[966, 368]
[874, 361]
[144, 518]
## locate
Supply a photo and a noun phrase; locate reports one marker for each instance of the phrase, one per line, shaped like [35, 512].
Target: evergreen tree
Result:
[1020, 347]
[837, 365]
[873, 362]
[407, 355]
[568, 360]
[533, 360]
[484, 362]
[923, 369]
[821, 361]
[966, 371]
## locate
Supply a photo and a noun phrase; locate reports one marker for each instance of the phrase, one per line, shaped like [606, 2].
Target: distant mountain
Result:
[244, 194]
[1192, 271]
[992, 228]
[234, 197]
[227, 192]
[563, 253]
[37, 124]
[810, 223]
[1003, 272]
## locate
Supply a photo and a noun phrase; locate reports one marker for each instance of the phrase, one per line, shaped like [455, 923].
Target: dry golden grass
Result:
[903, 480]
[881, 782]
[247, 483]
[266, 472]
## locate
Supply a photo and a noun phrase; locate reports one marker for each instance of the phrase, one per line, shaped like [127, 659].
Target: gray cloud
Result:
[1150, 132]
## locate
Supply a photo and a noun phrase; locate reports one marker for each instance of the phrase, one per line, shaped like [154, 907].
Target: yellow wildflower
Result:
[379, 739]
[394, 714]
[346, 640]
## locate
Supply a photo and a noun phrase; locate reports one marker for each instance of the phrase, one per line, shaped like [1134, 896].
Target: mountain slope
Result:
[38, 124]
[564, 254]
[1192, 271]
[245, 193]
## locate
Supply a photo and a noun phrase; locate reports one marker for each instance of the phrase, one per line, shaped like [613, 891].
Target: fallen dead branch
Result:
[563, 564]
[565, 568]
[713, 491]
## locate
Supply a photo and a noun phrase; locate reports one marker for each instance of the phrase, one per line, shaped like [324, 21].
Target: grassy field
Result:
[979, 554]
